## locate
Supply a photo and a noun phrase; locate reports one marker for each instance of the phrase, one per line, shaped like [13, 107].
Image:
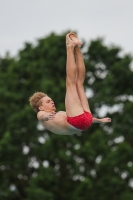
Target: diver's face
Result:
[47, 104]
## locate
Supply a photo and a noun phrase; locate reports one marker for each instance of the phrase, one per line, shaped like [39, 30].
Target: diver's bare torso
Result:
[58, 124]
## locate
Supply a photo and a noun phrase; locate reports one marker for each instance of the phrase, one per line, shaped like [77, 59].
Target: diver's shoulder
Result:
[40, 114]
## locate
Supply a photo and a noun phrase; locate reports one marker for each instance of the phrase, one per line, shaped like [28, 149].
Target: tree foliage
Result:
[36, 164]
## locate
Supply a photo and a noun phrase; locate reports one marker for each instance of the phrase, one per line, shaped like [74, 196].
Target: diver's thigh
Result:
[72, 102]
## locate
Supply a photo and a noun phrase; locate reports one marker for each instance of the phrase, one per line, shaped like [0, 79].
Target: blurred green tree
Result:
[36, 164]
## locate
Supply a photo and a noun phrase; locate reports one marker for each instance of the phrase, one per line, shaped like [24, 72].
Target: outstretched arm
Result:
[102, 120]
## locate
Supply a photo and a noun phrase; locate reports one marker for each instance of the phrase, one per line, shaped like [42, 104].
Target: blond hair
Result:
[35, 100]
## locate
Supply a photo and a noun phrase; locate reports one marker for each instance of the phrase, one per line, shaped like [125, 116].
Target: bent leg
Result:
[80, 79]
[72, 101]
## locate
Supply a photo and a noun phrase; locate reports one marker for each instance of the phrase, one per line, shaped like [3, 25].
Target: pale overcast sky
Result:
[26, 20]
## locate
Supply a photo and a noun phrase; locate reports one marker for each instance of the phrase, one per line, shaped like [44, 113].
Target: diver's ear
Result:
[40, 108]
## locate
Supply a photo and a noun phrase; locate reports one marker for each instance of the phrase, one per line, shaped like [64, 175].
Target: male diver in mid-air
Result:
[78, 116]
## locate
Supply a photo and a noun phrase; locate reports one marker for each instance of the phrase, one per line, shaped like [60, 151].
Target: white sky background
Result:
[26, 20]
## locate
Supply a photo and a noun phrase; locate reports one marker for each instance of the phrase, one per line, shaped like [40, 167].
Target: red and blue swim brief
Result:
[82, 121]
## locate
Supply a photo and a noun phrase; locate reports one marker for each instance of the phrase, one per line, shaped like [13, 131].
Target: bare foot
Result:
[69, 41]
[72, 40]
[75, 39]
